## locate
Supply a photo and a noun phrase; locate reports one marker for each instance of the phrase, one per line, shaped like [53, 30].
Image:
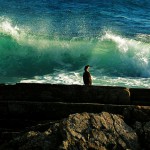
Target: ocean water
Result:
[50, 41]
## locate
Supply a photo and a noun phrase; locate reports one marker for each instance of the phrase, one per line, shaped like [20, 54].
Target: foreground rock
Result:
[97, 131]
[104, 131]
[143, 132]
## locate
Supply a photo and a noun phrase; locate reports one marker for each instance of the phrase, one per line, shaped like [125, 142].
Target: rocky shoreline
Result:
[104, 131]
[69, 117]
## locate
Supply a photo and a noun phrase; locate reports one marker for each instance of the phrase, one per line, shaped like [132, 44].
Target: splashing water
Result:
[45, 45]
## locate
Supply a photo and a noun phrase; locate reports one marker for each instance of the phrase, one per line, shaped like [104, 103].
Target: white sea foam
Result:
[56, 78]
[134, 52]
[6, 27]
[76, 78]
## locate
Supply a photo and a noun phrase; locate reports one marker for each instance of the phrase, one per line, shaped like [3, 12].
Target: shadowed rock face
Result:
[104, 131]
[24, 105]
[143, 132]
[64, 93]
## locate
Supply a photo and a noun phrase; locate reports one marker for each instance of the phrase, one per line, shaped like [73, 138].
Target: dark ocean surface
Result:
[50, 41]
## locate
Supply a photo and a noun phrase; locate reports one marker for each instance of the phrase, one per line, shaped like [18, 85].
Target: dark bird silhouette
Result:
[87, 76]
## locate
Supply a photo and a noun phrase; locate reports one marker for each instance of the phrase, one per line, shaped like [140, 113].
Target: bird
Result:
[87, 76]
